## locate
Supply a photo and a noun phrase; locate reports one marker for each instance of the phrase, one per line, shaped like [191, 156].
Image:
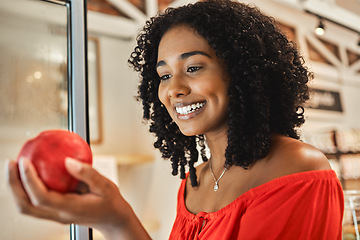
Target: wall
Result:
[339, 76]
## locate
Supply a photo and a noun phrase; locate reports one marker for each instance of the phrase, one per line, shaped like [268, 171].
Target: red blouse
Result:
[306, 205]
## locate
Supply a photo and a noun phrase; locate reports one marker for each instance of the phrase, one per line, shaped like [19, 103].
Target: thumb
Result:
[85, 173]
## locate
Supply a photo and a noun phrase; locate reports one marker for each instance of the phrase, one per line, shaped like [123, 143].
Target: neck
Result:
[217, 143]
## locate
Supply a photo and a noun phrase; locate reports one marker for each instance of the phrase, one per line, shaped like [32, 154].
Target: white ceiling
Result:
[350, 5]
[344, 12]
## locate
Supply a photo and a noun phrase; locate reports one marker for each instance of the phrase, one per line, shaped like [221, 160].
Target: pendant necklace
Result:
[216, 187]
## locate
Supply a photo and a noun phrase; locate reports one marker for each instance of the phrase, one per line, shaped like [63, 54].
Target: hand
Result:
[103, 207]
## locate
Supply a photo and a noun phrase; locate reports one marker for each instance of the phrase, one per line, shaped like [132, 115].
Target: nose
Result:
[178, 86]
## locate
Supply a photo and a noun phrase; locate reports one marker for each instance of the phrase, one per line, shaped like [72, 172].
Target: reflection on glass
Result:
[33, 96]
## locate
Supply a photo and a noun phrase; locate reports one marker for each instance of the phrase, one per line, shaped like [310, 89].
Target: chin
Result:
[190, 133]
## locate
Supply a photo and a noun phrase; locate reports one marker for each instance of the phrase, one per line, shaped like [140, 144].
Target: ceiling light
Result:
[320, 30]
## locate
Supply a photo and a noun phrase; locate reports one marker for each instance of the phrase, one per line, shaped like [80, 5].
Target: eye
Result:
[193, 69]
[165, 77]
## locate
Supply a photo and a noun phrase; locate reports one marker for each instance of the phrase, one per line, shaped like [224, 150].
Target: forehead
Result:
[181, 39]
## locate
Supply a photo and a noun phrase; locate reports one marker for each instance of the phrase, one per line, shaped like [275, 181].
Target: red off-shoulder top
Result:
[306, 205]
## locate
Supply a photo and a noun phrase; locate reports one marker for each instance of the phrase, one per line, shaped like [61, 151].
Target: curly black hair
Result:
[268, 81]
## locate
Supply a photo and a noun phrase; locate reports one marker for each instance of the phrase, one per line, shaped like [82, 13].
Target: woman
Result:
[220, 74]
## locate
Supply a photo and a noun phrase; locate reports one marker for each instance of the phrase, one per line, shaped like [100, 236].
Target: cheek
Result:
[163, 95]
[164, 99]
[213, 88]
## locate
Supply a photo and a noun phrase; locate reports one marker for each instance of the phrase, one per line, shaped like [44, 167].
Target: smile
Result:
[190, 108]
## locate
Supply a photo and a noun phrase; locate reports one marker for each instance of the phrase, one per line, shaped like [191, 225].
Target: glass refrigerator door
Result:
[42, 86]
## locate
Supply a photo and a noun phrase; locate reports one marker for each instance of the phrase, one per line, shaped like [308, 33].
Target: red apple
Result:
[48, 151]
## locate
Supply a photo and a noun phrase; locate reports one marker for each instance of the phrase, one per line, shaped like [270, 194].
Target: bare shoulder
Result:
[293, 156]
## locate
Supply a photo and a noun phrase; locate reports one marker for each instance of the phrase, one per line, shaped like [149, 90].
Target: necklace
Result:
[216, 187]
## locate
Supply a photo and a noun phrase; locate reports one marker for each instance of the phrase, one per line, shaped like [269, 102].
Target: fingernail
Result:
[22, 161]
[7, 163]
[73, 164]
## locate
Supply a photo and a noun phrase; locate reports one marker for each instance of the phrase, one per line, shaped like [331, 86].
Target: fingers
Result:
[31, 181]
[97, 183]
[20, 196]
[34, 199]
[13, 179]
[35, 189]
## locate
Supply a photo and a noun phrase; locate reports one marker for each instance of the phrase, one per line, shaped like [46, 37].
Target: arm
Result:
[102, 208]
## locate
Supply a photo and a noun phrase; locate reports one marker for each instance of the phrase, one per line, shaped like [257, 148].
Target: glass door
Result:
[43, 85]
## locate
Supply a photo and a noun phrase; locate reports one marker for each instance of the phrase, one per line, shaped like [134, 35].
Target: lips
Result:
[189, 110]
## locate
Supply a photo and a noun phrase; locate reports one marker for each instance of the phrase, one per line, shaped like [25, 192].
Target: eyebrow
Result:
[184, 56]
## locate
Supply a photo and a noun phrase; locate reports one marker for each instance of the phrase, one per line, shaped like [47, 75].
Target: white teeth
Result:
[189, 108]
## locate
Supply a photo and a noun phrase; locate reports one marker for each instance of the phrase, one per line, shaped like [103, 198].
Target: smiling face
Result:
[193, 84]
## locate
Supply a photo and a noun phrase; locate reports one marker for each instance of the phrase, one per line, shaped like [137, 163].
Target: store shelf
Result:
[341, 147]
